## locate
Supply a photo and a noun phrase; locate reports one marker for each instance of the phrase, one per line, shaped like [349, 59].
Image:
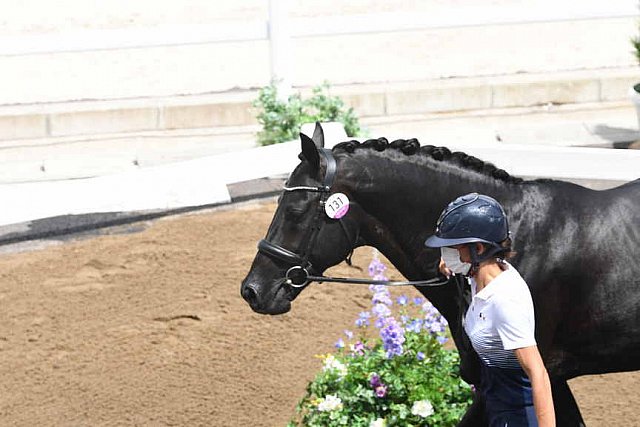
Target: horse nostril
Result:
[250, 294]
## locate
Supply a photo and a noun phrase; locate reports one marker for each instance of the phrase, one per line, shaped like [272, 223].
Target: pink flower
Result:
[379, 388]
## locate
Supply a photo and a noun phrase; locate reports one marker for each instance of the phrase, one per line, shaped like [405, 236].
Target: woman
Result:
[473, 235]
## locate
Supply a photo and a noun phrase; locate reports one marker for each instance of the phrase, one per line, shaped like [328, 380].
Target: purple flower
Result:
[436, 327]
[379, 388]
[420, 356]
[404, 318]
[376, 269]
[374, 380]
[379, 323]
[442, 339]
[428, 320]
[363, 319]
[428, 308]
[382, 298]
[418, 301]
[381, 310]
[358, 348]
[403, 300]
[415, 326]
[372, 269]
[435, 323]
[340, 343]
[378, 288]
[392, 335]
[348, 333]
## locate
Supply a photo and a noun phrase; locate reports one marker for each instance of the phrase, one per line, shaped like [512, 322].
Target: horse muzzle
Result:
[275, 299]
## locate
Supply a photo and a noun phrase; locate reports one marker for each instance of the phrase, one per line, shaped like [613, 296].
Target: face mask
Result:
[451, 258]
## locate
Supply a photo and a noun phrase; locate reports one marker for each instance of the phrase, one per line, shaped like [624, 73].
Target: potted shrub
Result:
[282, 120]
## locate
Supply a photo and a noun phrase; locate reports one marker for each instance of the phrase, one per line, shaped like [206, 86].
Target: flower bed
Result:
[393, 372]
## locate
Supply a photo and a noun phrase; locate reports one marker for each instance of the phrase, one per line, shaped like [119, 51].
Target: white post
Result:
[280, 46]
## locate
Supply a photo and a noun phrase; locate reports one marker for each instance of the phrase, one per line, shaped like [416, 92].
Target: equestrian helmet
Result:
[470, 218]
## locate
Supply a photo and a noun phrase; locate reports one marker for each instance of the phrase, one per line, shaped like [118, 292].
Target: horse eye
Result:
[292, 213]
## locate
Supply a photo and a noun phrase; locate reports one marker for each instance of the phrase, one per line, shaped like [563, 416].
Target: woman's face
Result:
[465, 253]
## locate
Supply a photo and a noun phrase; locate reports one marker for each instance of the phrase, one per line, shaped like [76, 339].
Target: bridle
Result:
[298, 275]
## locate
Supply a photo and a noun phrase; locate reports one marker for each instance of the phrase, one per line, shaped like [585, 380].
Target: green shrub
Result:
[281, 121]
[635, 42]
[403, 377]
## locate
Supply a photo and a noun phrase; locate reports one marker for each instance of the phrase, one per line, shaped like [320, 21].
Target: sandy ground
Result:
[149, 329]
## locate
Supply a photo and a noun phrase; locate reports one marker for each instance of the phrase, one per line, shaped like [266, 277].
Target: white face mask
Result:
[451, 258]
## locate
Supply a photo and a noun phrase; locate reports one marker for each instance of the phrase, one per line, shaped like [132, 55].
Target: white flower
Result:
[423, 408]
[380, 422]
[330, 403]
[331, 363]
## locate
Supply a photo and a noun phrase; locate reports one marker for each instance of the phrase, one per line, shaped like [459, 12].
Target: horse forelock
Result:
[411, 147]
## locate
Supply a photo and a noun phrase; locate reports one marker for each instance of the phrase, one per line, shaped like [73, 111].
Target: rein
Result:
[298, 276]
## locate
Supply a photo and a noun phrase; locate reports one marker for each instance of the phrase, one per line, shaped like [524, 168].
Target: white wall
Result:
[459, 38]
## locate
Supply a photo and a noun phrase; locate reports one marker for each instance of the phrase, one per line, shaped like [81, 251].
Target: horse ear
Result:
[318, 136]
[310, 151]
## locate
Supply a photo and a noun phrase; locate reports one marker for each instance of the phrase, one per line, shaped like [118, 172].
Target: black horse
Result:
[578, 249]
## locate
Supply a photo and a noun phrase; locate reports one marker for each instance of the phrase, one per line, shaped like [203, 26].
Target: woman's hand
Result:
[444, 269]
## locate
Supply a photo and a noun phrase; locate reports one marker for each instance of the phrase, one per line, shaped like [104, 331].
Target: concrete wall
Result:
[234, 109]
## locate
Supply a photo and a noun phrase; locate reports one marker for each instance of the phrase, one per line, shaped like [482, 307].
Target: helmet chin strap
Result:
[477, 259]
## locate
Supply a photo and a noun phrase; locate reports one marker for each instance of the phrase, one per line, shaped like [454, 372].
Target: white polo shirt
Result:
[500, 319]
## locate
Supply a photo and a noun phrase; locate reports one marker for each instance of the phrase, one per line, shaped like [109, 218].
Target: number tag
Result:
[336, 206]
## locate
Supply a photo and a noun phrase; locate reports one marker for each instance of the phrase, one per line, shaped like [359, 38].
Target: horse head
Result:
[305, 237]
[385, 195]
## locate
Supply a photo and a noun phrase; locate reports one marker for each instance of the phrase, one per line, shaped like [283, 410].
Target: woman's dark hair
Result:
[506, 253]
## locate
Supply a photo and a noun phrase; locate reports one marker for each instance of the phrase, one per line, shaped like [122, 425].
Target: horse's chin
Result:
[279, 307]
[279, 303]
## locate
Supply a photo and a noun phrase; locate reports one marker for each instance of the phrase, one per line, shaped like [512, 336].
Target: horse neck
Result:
[408, 197]
[403, 207]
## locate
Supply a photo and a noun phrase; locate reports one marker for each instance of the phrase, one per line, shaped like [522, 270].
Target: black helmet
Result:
[471, 218]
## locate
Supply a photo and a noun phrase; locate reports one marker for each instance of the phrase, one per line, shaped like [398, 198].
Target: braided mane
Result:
[412, 146]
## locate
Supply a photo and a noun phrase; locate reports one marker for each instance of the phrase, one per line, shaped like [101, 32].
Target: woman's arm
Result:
[531, 362]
